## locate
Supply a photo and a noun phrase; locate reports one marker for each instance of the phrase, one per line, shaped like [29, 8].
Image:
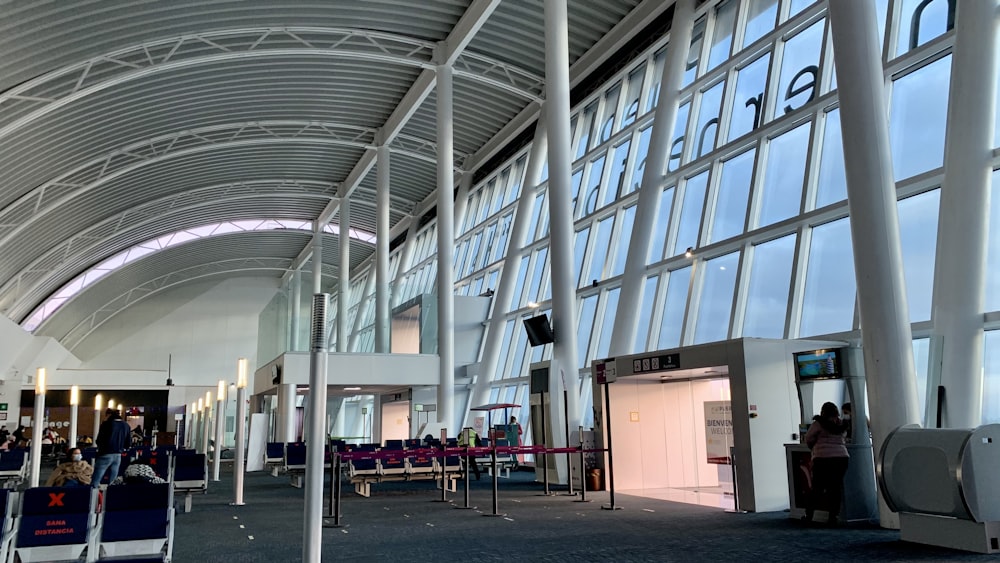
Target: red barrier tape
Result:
[475, 452]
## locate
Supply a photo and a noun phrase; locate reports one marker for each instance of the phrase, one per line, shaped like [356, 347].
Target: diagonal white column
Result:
[871, 198]
[508, 274]
[344, 276]
[565, 372]
[630, 296]
[963, 224]
[445, 247]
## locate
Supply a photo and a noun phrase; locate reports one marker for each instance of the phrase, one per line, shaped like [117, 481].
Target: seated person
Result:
[138, 474]
[75, 472]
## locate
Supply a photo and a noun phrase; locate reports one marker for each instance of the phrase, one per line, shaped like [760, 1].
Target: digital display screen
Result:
[819, 364]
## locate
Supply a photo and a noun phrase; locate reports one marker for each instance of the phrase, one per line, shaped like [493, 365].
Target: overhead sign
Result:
[605, 372]
[656, 363]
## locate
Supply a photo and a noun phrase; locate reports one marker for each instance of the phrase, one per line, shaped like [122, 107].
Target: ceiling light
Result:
[352, 389]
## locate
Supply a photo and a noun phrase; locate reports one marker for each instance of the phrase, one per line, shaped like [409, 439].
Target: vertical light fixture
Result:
[220, 417]
[111, 403]
[205, 424]
[98, 406]
[241, 412]
[39, 425]
[74, 413]
[192, 440]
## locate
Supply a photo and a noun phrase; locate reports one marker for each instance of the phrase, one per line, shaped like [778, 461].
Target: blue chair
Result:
[413, 443]
[7, 498]
[55, 524]
[137, 521]
[393, 444]
[274, 456]
[13, 467]
[190, 475]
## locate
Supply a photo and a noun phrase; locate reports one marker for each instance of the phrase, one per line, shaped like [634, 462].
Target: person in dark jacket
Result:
[112, 439]
[826, 441]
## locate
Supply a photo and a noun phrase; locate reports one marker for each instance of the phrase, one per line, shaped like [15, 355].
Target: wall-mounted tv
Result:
[818, 364]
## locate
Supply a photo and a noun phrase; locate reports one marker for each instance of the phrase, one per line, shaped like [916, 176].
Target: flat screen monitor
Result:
[539, 331]
[818, 364]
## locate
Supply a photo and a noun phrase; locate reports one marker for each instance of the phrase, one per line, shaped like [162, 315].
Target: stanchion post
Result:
[569, 464]
[545, 456]
[611, 464]
[496, 475]
[444, 469]
[736, 488]
[334, 490]
[465, 485]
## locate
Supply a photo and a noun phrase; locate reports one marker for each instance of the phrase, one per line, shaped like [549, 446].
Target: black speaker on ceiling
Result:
[539, 330]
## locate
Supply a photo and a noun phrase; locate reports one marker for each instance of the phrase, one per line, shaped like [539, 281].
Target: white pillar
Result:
[38, 418]
[344, 275]
[287, 396]
[565, 374]
[382, 252]
[206, 426]
[239, 463]
[220, 419]
[74, 413]
[509, 273]
[377, 419]
[630, 296]
[313, 530]
[294, 310]
[963, 224]
[317, 258]
[446, 247]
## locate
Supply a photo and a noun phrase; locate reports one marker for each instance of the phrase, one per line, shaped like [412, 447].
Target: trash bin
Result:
[595, 480]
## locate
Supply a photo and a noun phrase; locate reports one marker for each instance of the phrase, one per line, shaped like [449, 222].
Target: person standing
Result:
[826, 441]
[112, 439]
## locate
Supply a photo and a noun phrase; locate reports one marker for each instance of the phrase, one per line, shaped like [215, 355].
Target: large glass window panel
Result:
[472, 209]
[677, 142]
[828, 299]
[610, 110]
[991, 377]
[918, 218]
[645, 314]
[672, 323]
[921, 361]
[508, 332]
[608, 324]
[798, 82]
[488, 195]
[732, 197]
[767, 293]
[516, 367]
[473, 252]
[832, 183]
[593, 186]
[500, 192]
[500, 250]
[589, 120]
[694, 53]
[486, 254]
[716, 306]
[659, 234]
[624, 238]
[761, 17]
[536, 214]
[796, 6]
[707, 127]
[631, 109]
[690, 217]
[654, 83]
[748, 104]
[722, 35]
[617, 179]
[602, 242]
[919, 22]
[781, 190]
[514, 189]
[640, 159]
[575, 182]
[585, 328]
[917, 119]
[517, 297]
[993, 248]
[541, 255]
[579, 252]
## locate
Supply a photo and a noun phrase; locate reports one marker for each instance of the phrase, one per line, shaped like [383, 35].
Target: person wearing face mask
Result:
[73, 473]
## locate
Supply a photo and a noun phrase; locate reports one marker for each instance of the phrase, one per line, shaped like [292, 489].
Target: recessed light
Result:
[352, 389]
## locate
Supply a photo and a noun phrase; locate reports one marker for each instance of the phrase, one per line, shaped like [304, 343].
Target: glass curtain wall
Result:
[754, 187]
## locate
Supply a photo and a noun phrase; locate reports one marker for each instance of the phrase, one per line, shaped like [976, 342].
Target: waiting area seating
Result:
[13, 468]
[505, 461]
[189, 475]
[394, 463]
[51, 524]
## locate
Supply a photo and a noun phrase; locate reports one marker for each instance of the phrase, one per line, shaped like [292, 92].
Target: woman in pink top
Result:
[826, 440]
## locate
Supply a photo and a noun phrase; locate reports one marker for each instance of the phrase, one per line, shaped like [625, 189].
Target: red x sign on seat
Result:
[56, 499]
